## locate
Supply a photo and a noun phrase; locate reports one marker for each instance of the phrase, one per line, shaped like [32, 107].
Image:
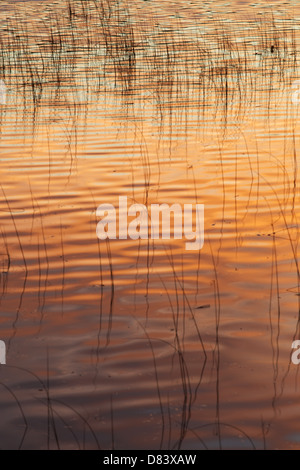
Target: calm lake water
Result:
[142, 344]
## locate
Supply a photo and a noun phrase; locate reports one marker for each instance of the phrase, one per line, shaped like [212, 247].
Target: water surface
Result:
[140, 343]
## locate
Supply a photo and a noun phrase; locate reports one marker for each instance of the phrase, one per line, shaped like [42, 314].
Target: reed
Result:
[104, 43]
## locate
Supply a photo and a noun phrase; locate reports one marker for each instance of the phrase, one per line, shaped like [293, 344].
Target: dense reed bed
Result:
[100, 45]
